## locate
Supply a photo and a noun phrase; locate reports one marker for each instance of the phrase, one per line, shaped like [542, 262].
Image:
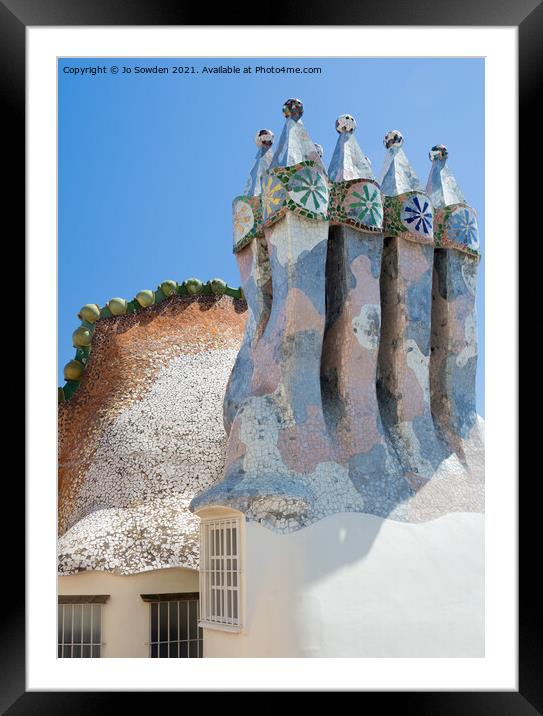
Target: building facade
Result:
[294, 468]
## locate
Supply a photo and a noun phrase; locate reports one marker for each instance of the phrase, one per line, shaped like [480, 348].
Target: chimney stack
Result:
[453, 364]
[353, 328]
[254, 267]
[406, 304]
[354, 388]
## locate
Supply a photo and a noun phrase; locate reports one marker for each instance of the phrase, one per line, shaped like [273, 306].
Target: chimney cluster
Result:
[354, 388]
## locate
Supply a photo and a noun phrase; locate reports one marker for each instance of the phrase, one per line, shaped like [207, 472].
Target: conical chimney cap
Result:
[397, 175]
[295, 145]
[263, 140]
[348, 161]
[442, 187]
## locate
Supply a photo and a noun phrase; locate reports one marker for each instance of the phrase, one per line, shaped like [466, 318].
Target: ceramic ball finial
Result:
[345, 124]
[264, 138]
[439, 151]
[394, 138]
[293, 109]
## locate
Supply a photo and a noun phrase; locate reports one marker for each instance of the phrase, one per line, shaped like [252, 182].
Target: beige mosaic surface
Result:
[143, 434]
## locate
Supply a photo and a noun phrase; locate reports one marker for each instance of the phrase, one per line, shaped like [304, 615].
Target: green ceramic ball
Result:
[145, 298]
[168, 287]
[117, 306]
[81, 337]
[218, 286]
[193, 285]
[90, 313]
[73, 370]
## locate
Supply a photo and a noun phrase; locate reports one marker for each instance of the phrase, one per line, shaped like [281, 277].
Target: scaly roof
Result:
[90, 313]
[144, 433]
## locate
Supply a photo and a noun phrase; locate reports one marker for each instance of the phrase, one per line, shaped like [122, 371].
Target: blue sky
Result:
[148, 164]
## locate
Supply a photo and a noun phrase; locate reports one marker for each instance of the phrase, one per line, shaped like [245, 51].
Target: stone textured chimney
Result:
[453, 362]
[406, 304]
[254, 267]
[349, 364]
[334, 403]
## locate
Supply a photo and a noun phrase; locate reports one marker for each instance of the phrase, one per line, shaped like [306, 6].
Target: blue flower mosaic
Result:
[308, 189]
[417, 215]
[462, 228]
[365, 205]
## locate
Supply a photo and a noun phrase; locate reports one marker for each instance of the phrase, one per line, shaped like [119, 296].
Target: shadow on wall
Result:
[359, 585]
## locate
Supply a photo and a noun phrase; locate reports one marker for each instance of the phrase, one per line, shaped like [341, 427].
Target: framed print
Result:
[269, 270]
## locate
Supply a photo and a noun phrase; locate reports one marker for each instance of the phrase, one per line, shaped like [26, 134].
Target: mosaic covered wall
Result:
[144, 433]
[358, 363]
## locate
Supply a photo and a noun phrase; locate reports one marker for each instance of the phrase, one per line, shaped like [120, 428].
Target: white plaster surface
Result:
[355, 585]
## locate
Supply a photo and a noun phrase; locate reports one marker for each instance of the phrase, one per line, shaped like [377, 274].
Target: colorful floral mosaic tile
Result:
[357, 203]
[302, 189]
[246, 220]
[457, 228]
[409, 216]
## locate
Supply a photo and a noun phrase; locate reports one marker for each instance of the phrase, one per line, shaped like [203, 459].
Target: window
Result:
[80, 627]
[220, 572]
[174, 630]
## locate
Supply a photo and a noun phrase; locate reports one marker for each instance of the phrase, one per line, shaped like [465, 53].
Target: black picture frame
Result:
[527, 15]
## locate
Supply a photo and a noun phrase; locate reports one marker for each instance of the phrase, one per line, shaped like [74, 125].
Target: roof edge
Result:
[91, 313]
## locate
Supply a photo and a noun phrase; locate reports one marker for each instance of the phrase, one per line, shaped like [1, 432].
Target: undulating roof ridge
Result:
[91, 313]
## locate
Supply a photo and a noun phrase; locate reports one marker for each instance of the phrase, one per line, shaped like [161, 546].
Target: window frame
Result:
[169, 599]
[80, 602]
[208, 575]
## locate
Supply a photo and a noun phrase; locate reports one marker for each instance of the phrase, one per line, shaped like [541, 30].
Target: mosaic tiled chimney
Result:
[251, 253]
[354, 322]
[406, 304]
[334, 404]
[453, 362]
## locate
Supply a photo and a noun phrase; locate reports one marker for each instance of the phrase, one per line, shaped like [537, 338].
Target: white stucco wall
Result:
[125, 617]
[355, 585]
